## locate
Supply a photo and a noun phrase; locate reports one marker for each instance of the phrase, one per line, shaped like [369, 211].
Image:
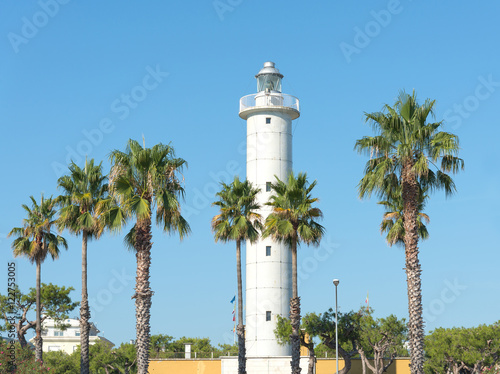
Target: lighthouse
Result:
[269, 114]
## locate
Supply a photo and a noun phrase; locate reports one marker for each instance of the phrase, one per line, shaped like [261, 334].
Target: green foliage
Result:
[237, 219]
[125, 356]
[376, 332]
[225, 349]
[24, 360]
[358, 333]
[320, 326]
[83, 192]
[55, 300]
[60, 362]
[103, 359]
[404, 137]
[144, 178]
[167, 347]
[293, 215]
[198, 344]
[35, 240]
[160, 343]
[283, 330]
[459, 348]
[393, 219]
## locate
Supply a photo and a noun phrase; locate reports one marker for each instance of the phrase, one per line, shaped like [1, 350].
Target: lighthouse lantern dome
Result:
[269, 78]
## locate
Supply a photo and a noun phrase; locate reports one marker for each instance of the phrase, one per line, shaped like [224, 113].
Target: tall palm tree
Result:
[35, 240]
[238, 220]
[393, 222]
[84, 189]
[404, 152]
[294, 220]
[143, 179]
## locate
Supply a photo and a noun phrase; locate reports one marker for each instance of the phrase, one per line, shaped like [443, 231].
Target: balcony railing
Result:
[260, 100]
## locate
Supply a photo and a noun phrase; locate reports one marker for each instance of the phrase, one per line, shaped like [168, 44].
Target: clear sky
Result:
[81, 78]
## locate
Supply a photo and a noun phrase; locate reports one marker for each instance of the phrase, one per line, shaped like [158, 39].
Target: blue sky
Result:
[82, 78]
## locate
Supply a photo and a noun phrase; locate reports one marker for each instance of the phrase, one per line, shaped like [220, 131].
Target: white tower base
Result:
[262, 365]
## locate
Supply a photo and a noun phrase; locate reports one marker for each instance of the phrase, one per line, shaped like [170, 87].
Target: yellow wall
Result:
[185, 366]
[328, 366]
[323, 366]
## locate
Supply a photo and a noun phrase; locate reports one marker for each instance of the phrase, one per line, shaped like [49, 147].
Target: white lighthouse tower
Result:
[269, 114]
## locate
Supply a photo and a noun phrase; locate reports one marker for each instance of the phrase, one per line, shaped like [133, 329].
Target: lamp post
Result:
[336, 283]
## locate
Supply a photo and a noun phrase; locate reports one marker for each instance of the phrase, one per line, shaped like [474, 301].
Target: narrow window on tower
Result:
[268, 250]
[268, 120]
[268, 186]
[268, 315]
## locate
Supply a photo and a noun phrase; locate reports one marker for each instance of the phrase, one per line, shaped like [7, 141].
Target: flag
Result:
[367, 303]
[234, 298]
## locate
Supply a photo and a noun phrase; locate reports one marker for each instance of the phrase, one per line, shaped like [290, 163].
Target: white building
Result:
[55, 339]
[268, 114]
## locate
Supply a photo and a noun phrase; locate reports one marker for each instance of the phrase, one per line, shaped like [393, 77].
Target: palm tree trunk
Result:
[295, 313]
[38, 328]
[241, 329]
[143, 293]
[84, 312]
[415, 324]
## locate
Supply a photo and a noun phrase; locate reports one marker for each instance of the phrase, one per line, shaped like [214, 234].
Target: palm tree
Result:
[84, 189]
[238, 220]
[392, 221]
[142, 179]
[35, 240]
[293, 220]
[403, 153]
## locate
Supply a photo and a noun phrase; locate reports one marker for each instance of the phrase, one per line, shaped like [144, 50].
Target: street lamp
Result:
[336, 283]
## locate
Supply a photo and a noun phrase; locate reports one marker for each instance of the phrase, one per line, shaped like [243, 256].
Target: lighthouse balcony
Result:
[273, 101]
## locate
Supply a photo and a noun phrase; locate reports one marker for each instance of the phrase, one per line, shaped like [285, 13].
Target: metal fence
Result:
[269, 99]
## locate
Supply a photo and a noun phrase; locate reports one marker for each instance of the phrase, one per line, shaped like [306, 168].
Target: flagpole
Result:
[233, 301]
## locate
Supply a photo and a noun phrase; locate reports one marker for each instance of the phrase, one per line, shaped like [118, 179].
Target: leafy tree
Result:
[60, 362]
[403, 153]
[55, 304]
[35, 241]
[198, 345]
[349, 330]
[283, 332]
[84, 189]
[226, 349]
[142, 179]
[293, 220]
[463, 350]
[18, 360]
[160, 342]
[125, 358]
[380, 340]
[103, 359]
[238, 221]
[383, 339]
